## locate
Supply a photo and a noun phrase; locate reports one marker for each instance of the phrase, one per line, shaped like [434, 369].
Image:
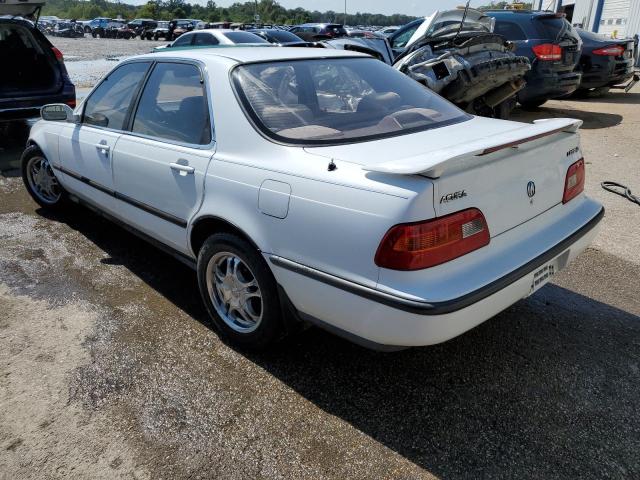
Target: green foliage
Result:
[500, 5]
[270, 12]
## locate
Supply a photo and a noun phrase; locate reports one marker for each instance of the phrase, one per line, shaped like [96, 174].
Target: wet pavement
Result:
[110, 368]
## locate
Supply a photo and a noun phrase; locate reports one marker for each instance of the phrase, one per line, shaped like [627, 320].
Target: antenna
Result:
[464, 17]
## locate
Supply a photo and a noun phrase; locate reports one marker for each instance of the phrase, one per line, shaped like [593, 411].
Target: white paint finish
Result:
[142, 171]
[273, 198]
[615, 11]
[336, 219]
[80, 153]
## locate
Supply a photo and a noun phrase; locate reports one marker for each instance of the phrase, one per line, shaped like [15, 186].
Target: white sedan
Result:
[323, 187]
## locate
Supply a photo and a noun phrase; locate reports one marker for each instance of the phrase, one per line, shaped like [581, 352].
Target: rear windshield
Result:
[335, 100]
[244, 37]
[552, 27]
[283, 37]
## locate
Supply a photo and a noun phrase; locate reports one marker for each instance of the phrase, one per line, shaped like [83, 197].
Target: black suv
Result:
[33, 71]
[552, 45]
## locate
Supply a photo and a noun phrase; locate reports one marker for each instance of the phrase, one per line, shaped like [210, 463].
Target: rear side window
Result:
[401, 40]
[205, 39]
[109, 103]
[244, 37]
[173, 105]
[510, 30]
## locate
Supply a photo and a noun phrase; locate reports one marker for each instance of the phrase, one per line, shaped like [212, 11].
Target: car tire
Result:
[239, 292]
[40, 180]
[94, 35]
[598, 92]
[532, 105]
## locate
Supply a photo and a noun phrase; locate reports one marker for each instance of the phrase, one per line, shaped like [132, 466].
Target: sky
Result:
[408, 7]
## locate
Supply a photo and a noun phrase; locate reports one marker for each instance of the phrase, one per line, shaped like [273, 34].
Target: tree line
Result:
[269, 11]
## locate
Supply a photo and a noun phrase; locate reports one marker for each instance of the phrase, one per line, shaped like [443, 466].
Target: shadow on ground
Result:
[548, 388]
[592, 120]
[13, 137]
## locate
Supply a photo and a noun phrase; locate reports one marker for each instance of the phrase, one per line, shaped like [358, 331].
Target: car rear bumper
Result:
[615, 74]
[386, 320]
[548, 86]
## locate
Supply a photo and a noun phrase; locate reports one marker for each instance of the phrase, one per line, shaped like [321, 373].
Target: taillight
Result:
[612, 51]
[58, 54]
[574, 183]
[414, 246]
[548, 51]
[71, 103]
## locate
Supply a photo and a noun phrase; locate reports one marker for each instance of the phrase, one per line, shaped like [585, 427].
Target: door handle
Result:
[103, 147]
[183, 169]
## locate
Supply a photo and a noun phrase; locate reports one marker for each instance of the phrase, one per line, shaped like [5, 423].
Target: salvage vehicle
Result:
[141, 25]
[68, 30]
[118, 29]
[34, 73]
[161, 31]
[209, 38]
[98, 26]
[320, 186]
[606, 63]
[552, 45]
[456, 54]
[280, 37]
[315, 31]
[183, 26]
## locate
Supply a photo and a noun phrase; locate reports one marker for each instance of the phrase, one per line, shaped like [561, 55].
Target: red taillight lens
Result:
[612, 51]
[71, 103]
[414, 246]
[548, 51]
[58, 54]
[574, 183]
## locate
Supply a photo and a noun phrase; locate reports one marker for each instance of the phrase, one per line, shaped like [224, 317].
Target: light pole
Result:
[345, 12]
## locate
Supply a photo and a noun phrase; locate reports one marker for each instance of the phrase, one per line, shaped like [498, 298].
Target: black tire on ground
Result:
[94, 34]
[270, 328]
[33, 152]
[532, 105]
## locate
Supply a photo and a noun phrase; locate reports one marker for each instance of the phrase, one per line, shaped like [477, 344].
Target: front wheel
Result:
[40, 180]
[239, 292]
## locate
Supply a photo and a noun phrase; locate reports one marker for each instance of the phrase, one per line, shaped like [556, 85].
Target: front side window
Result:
[173, 105]
[109, 103]
[326, 101]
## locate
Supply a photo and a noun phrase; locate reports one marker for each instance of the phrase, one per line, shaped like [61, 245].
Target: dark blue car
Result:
[605, 63]
[552, 45]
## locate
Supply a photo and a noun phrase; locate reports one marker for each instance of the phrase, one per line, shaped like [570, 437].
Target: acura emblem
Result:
[531, 189]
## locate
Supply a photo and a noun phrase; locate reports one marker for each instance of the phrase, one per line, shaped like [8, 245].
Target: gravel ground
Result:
[89, 59]
[109, 367]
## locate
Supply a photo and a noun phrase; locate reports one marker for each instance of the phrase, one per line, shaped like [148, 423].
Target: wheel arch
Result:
[206, 225]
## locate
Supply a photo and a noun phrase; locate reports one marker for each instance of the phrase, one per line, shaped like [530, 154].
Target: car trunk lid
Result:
[555, 27]
[491, 169]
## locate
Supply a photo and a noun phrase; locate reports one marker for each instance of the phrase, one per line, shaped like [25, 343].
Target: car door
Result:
[160, 165]
[86, 148]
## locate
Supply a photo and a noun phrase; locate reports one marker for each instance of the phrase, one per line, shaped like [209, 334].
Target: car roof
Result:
[535, 13]
[251, 54]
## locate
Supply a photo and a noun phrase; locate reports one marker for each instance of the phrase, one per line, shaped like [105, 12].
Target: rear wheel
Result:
[239, 292]
[40, 180]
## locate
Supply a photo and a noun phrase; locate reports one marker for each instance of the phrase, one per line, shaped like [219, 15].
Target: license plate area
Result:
[543, 275]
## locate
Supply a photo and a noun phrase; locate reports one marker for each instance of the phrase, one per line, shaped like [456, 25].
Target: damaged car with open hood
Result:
[456, 54]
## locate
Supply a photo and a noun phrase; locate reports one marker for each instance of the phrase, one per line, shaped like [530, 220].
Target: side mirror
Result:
[57, 112]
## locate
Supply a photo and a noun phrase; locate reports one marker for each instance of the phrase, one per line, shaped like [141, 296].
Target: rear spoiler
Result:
[433, 164]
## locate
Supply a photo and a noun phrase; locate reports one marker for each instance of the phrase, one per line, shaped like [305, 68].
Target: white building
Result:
[616, 18]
